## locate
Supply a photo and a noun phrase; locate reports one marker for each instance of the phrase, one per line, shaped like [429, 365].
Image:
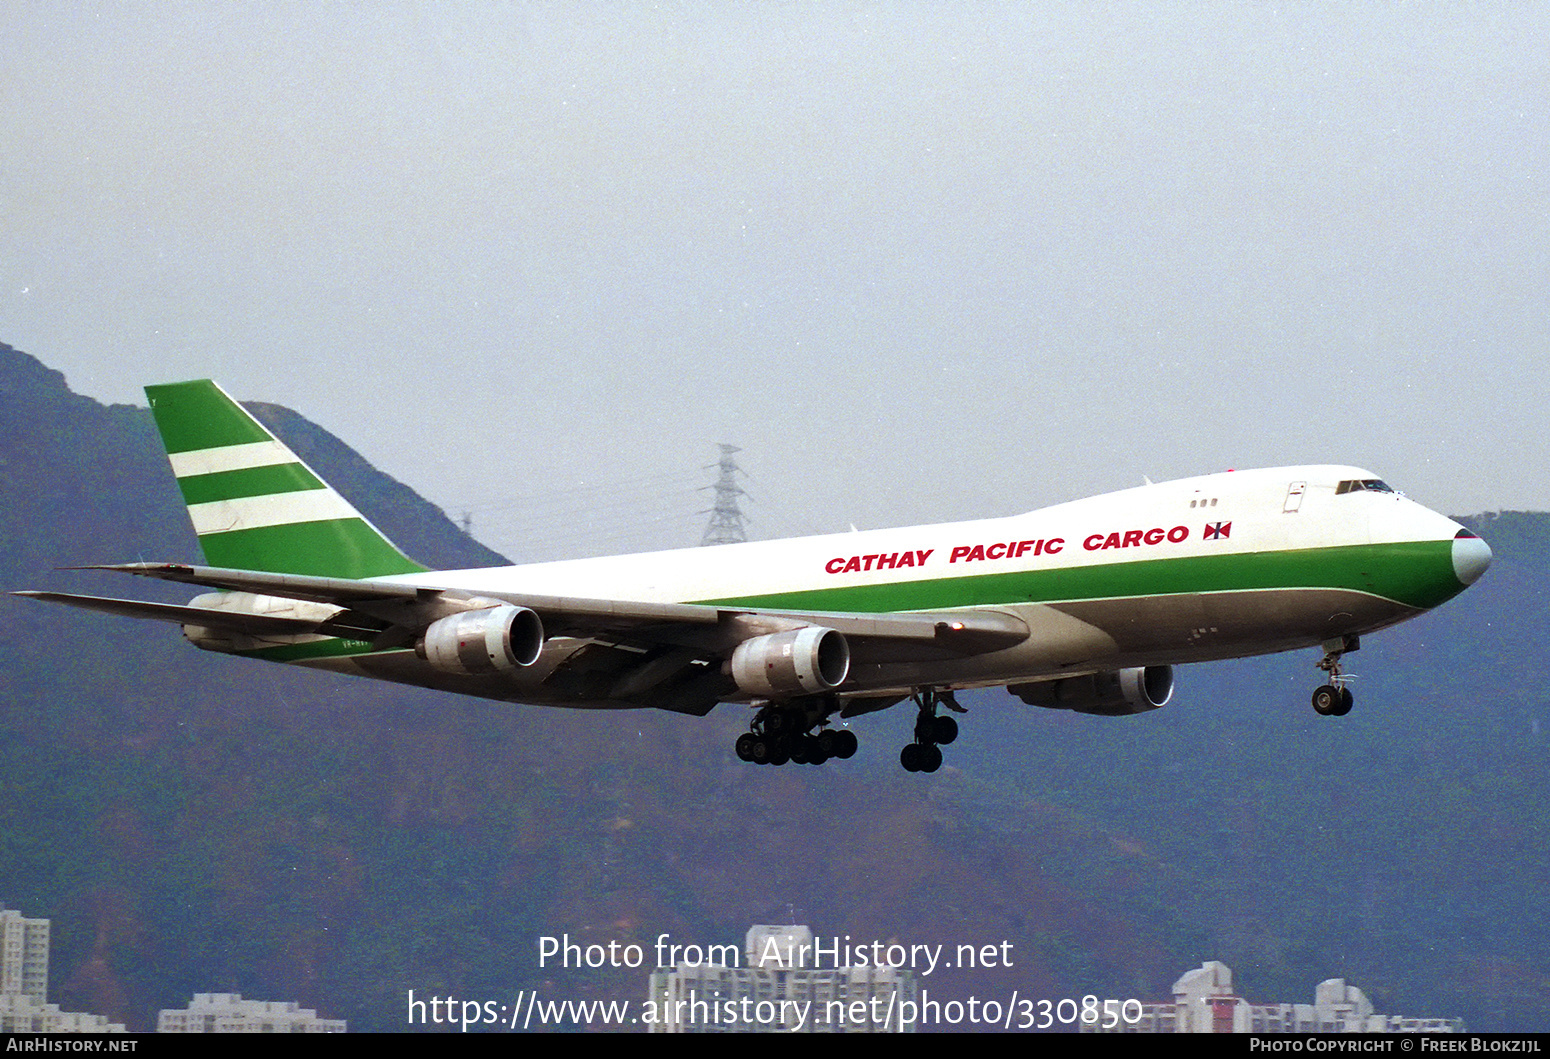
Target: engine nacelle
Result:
[1112, 694]
[483, 641]
[801, 661]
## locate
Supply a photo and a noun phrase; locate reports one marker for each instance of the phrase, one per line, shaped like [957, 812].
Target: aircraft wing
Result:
[403, 609]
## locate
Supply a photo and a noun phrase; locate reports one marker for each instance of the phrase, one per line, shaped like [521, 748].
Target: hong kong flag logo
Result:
[1218, 531]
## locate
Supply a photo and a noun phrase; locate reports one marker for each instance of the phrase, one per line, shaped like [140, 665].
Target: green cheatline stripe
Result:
[331, 648]
[1417, 574]
[197, 415]
[250, 481]
[342, 547]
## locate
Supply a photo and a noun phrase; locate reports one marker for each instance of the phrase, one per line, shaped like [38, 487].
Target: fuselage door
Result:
[1294, 497]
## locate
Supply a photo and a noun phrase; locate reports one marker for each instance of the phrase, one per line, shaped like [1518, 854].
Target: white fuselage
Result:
[1223, 565]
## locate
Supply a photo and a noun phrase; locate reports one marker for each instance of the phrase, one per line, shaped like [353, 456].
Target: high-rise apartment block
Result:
[780, 987]
[24, 1006]
[1204, 1002]
[229, 1013]
[23, 955]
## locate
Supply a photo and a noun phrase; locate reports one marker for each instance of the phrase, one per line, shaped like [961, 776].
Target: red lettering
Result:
[922, 555]
[833, 565]
[1054, 545]
[1111, 541]
[853, 566]
[1132, 539]
[906, 559]
[868, 559]
[1154, 535]
[885, 562]
[976, 552]
[996, 551]
[1022, 549]
[959, 552]
[1094, 542]
[1178, 534]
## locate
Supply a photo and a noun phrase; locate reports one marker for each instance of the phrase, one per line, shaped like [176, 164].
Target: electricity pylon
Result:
[726, 518]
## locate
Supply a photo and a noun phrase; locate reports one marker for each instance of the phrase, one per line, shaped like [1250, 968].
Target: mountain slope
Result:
[196, 822]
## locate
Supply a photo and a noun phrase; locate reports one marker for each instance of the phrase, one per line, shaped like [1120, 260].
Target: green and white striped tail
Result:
[254, 504]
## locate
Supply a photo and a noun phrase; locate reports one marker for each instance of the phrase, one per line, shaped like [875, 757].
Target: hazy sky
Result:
[922, 261]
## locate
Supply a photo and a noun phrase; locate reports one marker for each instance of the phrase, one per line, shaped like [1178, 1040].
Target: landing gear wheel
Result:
[812, 750]
[1334, 699]
[796, 730]
[932, 731]
[930, 758]
[1328, 700]
[845, 743]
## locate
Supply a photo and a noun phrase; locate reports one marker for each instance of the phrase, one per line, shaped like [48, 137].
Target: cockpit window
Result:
[1359, 485]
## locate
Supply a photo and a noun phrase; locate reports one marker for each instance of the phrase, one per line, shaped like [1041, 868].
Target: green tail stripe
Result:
[195, 416]
[1418, 574]
[198, 415]
[346, 547]
[250, 481]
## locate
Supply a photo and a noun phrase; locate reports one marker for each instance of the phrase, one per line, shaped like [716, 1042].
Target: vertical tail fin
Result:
[254, 504]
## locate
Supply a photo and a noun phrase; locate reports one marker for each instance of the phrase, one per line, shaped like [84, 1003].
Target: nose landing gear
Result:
[1335, 699]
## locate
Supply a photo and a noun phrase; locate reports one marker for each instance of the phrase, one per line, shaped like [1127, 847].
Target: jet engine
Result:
[483, 641]
[799, 661]
[1113, 694]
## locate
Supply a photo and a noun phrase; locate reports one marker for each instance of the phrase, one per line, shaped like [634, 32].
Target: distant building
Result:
[229, 1013]
[22, 1013]
[1204, 1002]
[23, 955]
[24, 1006]
[781, 988]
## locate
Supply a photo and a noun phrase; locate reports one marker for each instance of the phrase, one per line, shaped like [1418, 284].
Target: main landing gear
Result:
[794, 731]
[931, 731]
[1335, 699]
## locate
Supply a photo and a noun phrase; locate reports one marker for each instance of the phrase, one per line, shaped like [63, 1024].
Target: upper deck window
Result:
[1358, 485]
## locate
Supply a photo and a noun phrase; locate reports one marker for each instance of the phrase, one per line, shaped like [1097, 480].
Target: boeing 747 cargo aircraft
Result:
[1084, 606]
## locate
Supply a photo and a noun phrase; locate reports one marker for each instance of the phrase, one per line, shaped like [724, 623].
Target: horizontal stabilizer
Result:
[341, 591]
[234, 621]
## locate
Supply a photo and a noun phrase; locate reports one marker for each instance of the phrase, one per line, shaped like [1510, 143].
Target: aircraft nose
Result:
[1471, 556]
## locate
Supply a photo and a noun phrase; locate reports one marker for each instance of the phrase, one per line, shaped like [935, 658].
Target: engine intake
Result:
[1113, 694]
[801, 661]
[483, 641]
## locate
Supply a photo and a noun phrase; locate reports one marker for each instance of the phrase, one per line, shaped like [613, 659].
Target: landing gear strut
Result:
[795, 731]
[1335, 699]
[932, 732]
